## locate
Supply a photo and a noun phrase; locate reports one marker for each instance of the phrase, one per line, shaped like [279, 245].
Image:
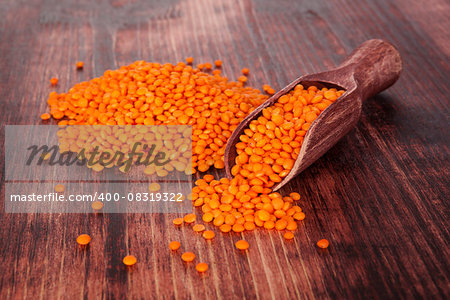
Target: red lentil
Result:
[83, 239]
[45, 116]
[288, 235]
[242, 245]
[129, 260]
[175, 245]
[53, 81]
[188, 256]
[201, 267]
[59, 188]
[323, 243]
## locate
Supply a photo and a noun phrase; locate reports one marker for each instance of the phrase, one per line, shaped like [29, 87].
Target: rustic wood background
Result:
[380, 195]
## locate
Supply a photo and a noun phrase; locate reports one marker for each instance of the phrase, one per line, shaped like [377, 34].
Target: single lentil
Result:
[189, 218]
[53, 81]
[60, 188]
[45, 116]
[83, 239]
[242, 245]
[201, 267]
[188, 256]
[129, 260]
[198, 227]
[323, 243]
[154, 187]
[175, 245]
[97, 205]
[288, 235]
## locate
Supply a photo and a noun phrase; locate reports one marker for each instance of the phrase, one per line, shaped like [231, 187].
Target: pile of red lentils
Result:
[163, 94]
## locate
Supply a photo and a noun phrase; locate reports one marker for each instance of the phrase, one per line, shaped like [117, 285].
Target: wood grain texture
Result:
[380, 195]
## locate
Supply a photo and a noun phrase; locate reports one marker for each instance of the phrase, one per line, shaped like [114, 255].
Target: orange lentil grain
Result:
[208, 234]
[154, 187]
[178, 221]
[238, 228]
[323, 243]
[198, 227]
[225, 228]
[242, 79]
[288, 235]
[218, 63]
[242, 245]
[60, 188]
[202, 267]
[80, 65]
[189, 60]
[83, 239]
[188, 256]
[129, 260]
[245, 71]
[53, 81]
[97, 205]
[295, 196]
[45, 116]
[299, 216]
[174, 245]
[189, 218]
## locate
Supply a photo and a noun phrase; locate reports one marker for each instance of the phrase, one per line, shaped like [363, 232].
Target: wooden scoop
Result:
[371, 68]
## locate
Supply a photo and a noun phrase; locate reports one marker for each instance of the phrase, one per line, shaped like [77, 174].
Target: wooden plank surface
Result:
[380, 195]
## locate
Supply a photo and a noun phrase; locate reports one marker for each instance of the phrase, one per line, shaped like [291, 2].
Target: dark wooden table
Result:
[380, 195]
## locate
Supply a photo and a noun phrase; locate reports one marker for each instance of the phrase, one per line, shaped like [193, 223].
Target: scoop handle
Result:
[375, 66]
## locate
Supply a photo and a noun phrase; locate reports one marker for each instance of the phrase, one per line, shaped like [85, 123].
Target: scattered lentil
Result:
[188, 256]
[97, 205]
[154, 187]
[201, 267]
[83, 239]
[45, 116]
[175, 245]
[242, 245]
[189, 218]
[323, 243]
[53, 81]
[129, 260]
[59, 188]
[288, 235]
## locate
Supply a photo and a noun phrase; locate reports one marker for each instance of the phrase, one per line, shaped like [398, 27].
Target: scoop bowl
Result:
[371, 68]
